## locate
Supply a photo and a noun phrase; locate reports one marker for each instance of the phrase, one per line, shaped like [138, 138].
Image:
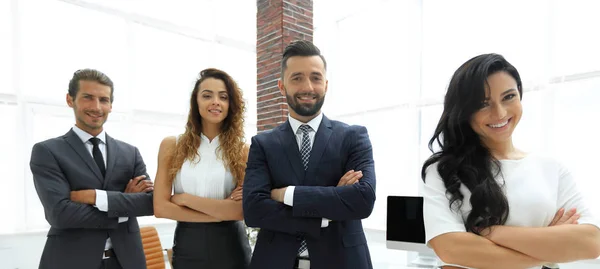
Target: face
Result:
[500, 112]
[91, 105]
[213, 101]
[304, 85]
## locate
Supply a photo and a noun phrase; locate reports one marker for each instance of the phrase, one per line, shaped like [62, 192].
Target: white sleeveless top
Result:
[207, 178]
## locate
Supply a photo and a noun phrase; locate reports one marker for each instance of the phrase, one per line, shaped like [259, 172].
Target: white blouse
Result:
[535, 186]
[207, 177]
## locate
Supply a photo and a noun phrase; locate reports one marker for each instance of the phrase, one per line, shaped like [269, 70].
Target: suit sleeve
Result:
[350, 202]
[54, 192]
[131, 204]
[262, 211]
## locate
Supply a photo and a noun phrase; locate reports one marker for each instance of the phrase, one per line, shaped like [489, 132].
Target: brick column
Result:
[278, 22]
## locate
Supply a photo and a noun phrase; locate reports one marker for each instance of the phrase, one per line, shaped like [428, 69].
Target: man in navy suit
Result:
[311, 180]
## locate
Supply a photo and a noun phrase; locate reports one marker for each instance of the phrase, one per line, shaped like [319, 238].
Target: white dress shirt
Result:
[288, 197]
[208, 177]
[101, 196]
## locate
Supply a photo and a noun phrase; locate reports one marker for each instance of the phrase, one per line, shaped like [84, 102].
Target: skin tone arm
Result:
[163, 207]
[564, 243]
[475, 251]
[229, 208]
[468, 249]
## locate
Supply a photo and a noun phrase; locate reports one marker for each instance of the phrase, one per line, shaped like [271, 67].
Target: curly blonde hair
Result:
[232, 143]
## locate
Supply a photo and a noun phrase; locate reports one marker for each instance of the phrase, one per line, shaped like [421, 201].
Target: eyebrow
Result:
[210, 91]
[312, 73]
[508, 91]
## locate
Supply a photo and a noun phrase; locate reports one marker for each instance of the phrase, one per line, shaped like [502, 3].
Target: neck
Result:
[303, 119]
[93, 132]
[503, 150]
[211, 130]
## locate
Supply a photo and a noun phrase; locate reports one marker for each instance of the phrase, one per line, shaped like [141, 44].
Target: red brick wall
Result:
[278, 22]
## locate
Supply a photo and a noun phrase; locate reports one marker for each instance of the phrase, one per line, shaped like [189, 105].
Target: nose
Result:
[308, 86]
[215, 100]
[499, 111]
[96, 104]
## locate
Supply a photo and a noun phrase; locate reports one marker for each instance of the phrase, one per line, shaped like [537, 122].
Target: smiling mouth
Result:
[500, 124]
[306, 97]
[94, 116]
[214, 111]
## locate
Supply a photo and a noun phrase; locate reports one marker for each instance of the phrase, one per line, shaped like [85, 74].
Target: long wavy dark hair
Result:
[463, 158]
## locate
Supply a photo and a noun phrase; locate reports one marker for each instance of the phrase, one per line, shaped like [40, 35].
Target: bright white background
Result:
[152, 50]
[390, 63]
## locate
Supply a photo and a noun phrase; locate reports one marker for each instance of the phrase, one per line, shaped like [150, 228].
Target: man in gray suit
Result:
[92, 186]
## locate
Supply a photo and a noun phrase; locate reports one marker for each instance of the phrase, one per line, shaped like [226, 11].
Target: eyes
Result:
[104, 100]
[508, 97]
[313, 78]
[207, 96]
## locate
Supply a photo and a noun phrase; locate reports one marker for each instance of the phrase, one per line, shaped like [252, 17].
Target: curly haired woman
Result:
[205, 167]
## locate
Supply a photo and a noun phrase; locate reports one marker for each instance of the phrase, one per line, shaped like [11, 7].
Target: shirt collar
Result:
[85, 137]
[205, 138]
[314, 123]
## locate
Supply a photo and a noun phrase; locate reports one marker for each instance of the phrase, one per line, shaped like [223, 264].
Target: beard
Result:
[304, 110]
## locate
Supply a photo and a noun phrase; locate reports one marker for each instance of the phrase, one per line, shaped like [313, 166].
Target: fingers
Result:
[236, 197]
[146, 186]
[350, 178]
[567, 216]
[136, 180]
[557, 216]
[358, 175]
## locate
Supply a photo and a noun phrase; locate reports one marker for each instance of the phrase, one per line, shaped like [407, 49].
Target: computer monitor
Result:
[405, 229]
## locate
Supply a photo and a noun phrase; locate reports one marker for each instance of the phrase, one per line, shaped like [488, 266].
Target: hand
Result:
[561, 218]
[236, 194]
[350, 178]
[138, 184]
[278, 194]
[84, 197]
[179, 199]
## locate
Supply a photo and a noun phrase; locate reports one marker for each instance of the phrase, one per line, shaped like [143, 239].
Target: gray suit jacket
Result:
[78, 231]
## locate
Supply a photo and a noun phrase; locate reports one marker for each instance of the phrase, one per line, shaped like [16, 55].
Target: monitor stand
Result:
[422, 260]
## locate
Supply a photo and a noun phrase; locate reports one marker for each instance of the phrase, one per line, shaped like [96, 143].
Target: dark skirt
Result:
[218, 245]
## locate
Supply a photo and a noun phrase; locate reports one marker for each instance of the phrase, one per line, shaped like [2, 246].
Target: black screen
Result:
[405, 219]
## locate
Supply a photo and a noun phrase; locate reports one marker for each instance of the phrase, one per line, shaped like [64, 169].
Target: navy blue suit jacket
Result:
[274, 162]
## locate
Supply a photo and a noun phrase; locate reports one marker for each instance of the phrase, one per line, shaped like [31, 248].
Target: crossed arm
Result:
[564, 240]
[54, 192]
[186, 207]
[353, 199]
[518, 247]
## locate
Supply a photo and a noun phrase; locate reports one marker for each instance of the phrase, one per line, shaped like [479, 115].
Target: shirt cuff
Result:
[102, 200]
[123, 219]
[288, 196]
[324, 223]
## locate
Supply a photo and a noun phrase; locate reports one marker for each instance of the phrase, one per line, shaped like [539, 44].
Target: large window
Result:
[390, 63]
[152, 51]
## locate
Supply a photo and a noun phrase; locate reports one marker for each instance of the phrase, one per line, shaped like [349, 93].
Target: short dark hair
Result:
[90, 75]
[300, 48]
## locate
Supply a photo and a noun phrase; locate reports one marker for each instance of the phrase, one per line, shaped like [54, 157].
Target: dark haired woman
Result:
[488, 204]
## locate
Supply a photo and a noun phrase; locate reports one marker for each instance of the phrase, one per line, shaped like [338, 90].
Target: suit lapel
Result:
[75, 142]
[321, 139]
[112, 153]
[290, 145]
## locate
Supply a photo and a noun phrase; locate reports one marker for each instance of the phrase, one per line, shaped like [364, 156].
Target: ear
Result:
[326, 85]
[281, 87]
[69, 100]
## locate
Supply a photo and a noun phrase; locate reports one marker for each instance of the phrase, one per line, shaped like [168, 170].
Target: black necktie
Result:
[98, 155]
